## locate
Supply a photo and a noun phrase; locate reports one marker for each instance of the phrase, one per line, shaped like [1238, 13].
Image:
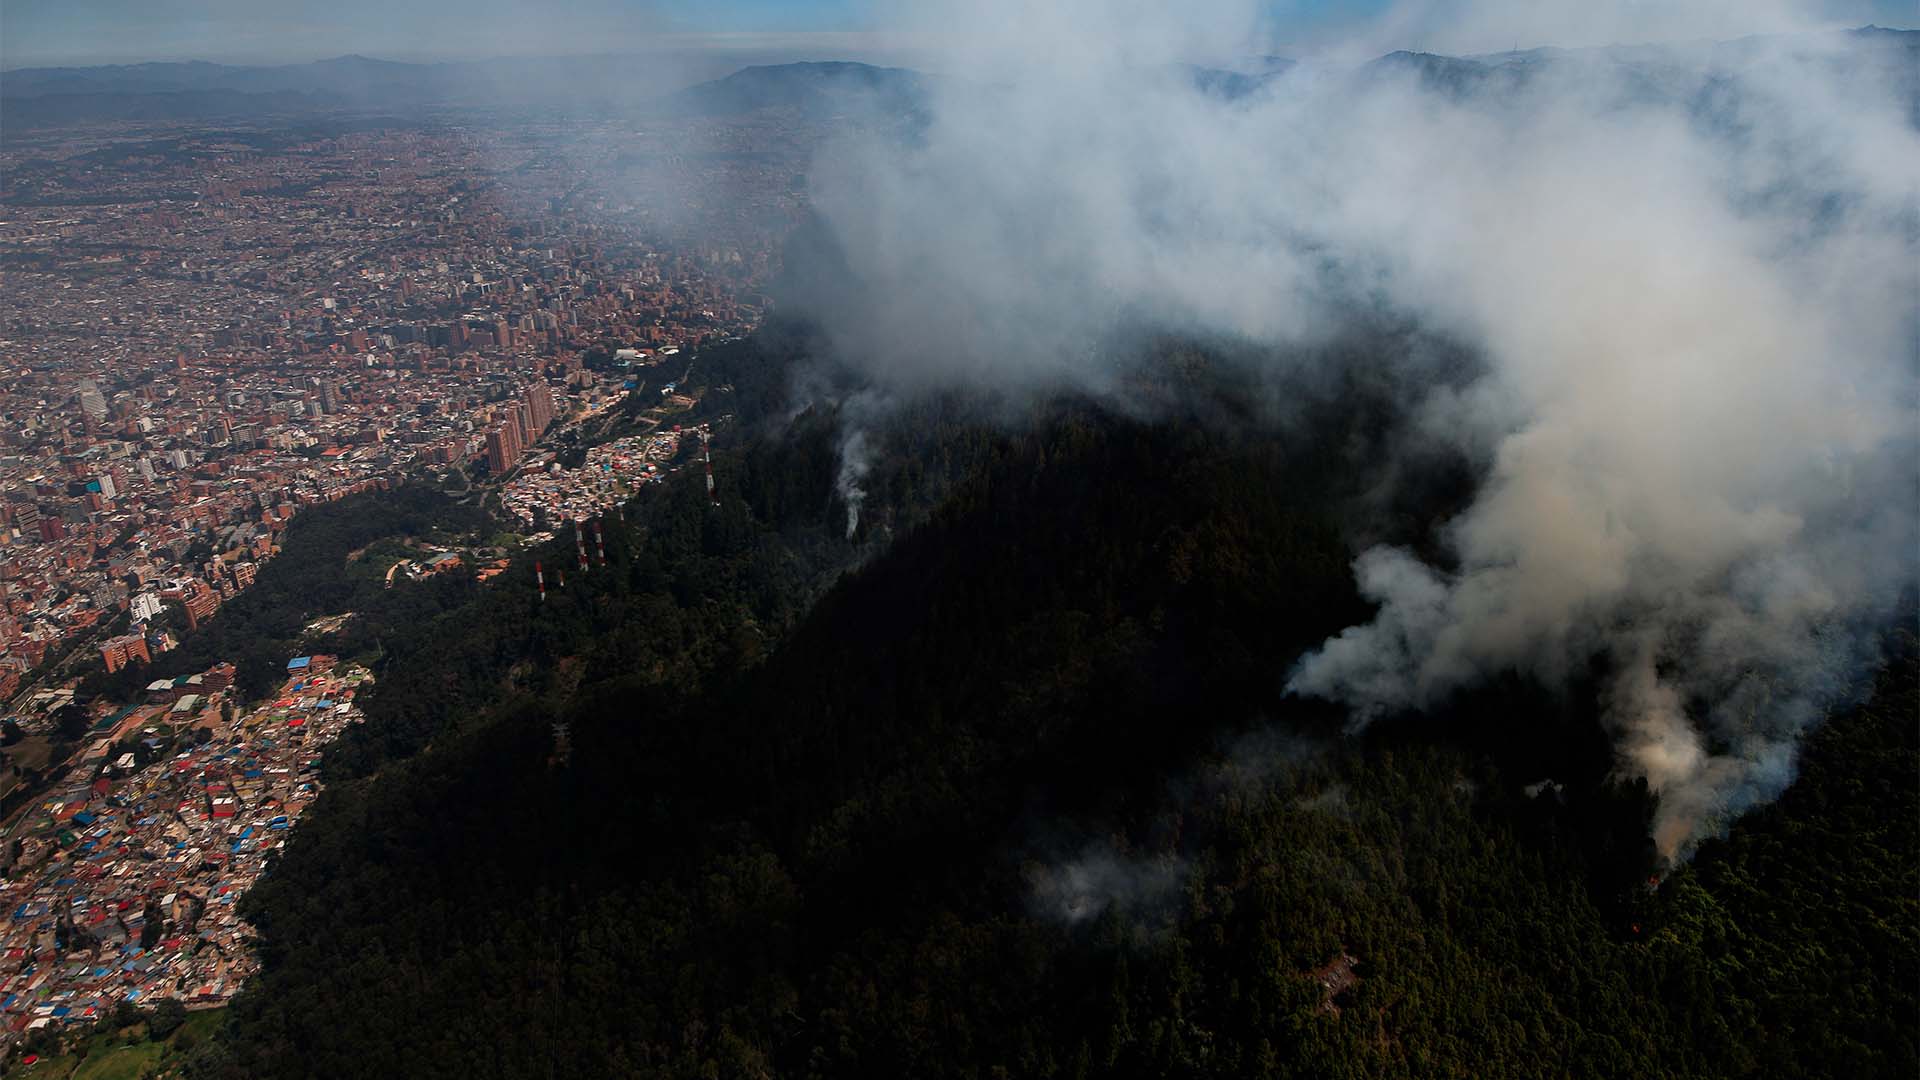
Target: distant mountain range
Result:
[322, 76]
[35, 97]
[815, 88]
[31, 97]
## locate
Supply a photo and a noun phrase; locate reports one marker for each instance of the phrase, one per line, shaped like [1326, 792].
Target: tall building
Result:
[117, 653]
[503, 447]
[93, 404]
[199, 599]
[146, 606]
[329, 397]
[539, 402]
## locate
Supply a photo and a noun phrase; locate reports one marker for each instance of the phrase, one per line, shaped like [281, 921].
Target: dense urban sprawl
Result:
[205, 331]
[123, 883]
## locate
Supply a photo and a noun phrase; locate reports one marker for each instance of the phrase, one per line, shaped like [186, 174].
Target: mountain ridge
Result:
[809, 84]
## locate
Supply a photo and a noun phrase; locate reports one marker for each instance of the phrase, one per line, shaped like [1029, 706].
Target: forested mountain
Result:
[1001, 782]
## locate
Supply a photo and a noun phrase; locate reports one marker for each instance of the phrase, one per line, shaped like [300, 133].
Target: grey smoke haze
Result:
[1691, 272]
[1329, 800]
[1147, 885]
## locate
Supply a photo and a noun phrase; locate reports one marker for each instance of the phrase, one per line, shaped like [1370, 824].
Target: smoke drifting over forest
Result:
[1689, 271]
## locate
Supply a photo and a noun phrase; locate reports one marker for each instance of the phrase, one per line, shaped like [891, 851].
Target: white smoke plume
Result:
[1085, 887]
[855, 460]
[1690, 270]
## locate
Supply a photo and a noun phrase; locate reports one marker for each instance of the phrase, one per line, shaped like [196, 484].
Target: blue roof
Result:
[299, 662]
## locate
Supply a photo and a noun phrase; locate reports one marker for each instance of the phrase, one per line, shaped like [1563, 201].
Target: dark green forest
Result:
[1004, 785]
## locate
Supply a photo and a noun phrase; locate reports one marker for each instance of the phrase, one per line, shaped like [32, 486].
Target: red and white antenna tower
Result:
[540, 578]
[599, 543]
[580, 543]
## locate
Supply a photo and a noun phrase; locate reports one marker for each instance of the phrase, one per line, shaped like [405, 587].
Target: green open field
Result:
[126, 1054]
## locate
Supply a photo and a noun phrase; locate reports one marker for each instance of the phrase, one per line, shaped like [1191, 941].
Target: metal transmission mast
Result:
[540, 579]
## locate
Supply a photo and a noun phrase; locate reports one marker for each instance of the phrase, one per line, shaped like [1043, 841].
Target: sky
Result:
[80, 32]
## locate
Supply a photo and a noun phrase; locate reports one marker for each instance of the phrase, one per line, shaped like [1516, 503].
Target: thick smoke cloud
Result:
[1691, 272]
